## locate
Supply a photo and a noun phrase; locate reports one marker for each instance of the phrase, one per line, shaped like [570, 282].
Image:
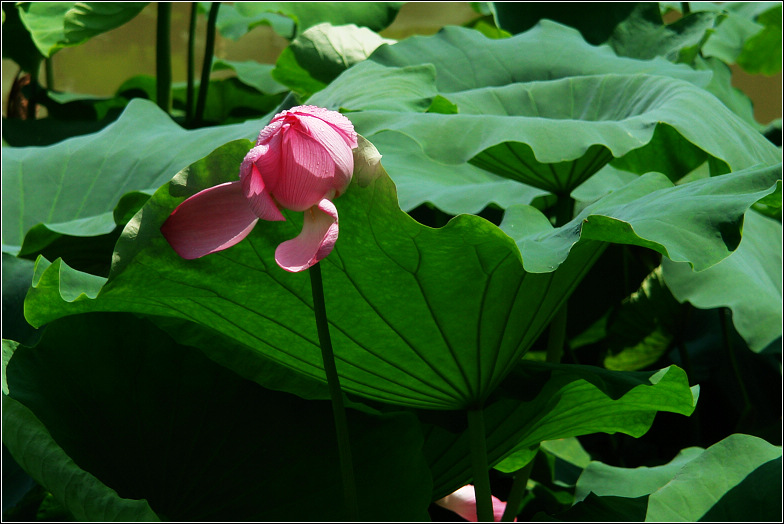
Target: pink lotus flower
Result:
[463, 502]
[302, 160]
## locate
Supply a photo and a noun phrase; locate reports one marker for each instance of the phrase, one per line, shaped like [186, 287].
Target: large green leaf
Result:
[555, 134]
[552, 116]
[55, 25]
[253, 74]
[698, 222]
[386, 270]
[455, 189]
[321, 53]
[156, 420]
[465, 59]
[73, 187]
[373, 15]
[289, 19]
[739, 477]
[748, 282]
[84, 495]
[541, 402]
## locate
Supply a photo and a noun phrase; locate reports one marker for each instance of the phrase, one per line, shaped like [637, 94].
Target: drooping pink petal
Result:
[209, 221]
[307, 171]
[315, 241]
[463, 502]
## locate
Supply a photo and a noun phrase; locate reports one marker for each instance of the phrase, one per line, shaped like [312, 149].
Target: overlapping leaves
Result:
[468, 269]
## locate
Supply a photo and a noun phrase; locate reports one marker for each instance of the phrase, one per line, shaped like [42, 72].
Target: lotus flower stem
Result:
[476, 435]
[206, 66]
[518, 490]
[333, 381]
[191, 62]
[163, 73]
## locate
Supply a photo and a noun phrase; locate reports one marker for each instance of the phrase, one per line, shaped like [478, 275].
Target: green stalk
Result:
[482, 492]
[564, 208]
[191, 62]
[517, 492]
[49, 73]
[333, 381]
[725, 320]
[206, 66]
[163, 75]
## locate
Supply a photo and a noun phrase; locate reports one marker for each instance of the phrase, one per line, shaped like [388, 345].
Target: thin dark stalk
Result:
[49, 73]
[336, 394]
[517, 492]
[564, 208]
[206, 68]
[32, 102]
[482, 491]
[191, 62]
[685, 8]
[725, 320]
[163, 75]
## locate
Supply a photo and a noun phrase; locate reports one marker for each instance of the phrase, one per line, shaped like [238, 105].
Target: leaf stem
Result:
[206, 67]
[564, 208]
[191, 62]
[49, 68]
[725, 319]
[163, 75]
[333, 381]
[482, 492]
[517, 492]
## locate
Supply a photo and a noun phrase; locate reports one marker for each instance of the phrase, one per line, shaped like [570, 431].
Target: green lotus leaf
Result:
[699, 222]
[465, 59]
[290, 19]
[739, 477]
[454, 189]
[540, 402]
[748, 282]
[73, 187]
[252, 74]
[555, 134]
[384, 259]
[319, 54]
[55, 25]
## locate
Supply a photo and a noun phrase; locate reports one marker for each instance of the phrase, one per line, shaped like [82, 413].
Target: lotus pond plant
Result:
[555, 293]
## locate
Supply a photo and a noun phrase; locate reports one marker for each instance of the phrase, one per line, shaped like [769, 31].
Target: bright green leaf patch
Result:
[698, 484]
[321, 53]
[73, 187]
[754, 271]
[55, 25]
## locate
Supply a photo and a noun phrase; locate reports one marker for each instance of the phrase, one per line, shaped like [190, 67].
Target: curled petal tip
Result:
[315, 241]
